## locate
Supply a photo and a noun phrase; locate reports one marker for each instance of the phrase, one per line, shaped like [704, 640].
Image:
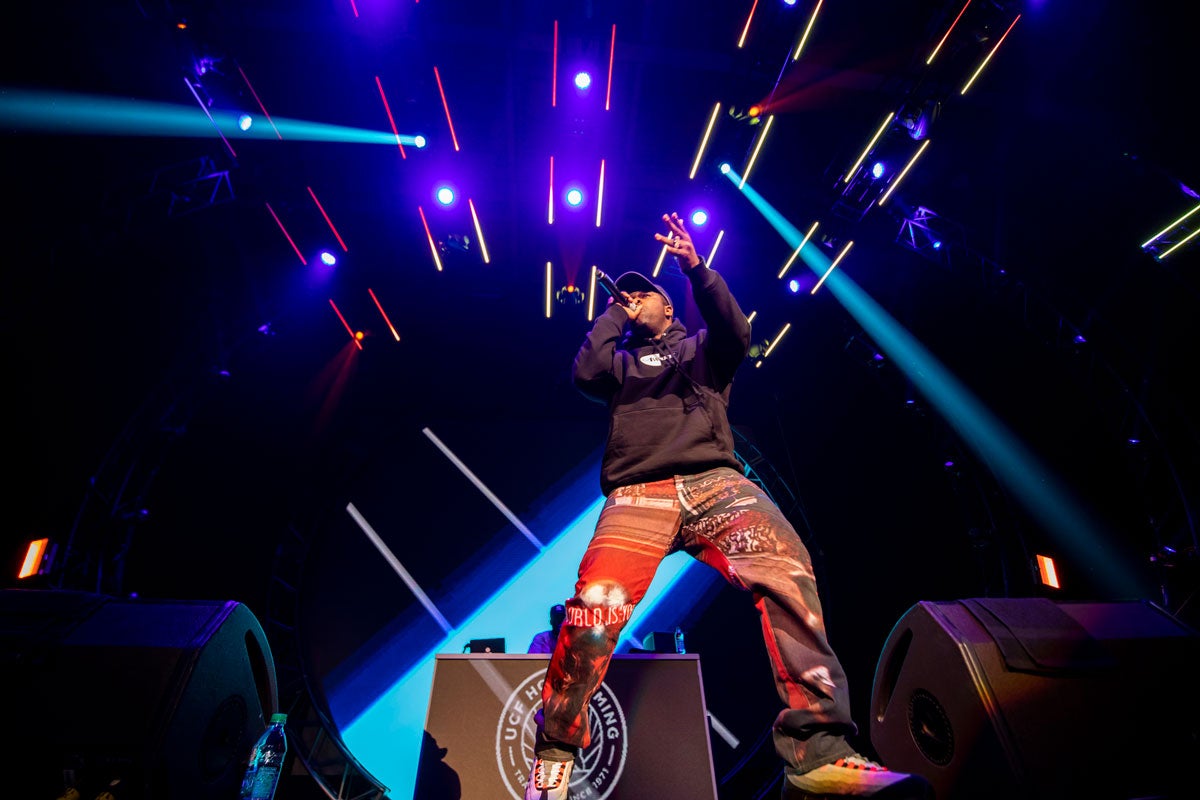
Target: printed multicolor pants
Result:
[723, 519]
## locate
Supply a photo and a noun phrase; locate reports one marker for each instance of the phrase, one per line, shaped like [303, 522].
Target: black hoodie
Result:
[667, 398]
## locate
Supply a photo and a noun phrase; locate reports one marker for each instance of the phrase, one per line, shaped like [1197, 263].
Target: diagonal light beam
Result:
[456, 461]
[1014, 465]
[398, 568]
[96, 115]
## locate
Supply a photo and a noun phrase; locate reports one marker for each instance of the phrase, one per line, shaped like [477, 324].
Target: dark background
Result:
[171, 478]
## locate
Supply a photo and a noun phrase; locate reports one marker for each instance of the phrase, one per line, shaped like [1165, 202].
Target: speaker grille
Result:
[930, 727]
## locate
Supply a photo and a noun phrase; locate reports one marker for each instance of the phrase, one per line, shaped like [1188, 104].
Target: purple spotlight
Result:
[699, 216]
[582, 81]
[574, 197]
[794, 286]
[328, 258]
[877, 170]
[445, 195]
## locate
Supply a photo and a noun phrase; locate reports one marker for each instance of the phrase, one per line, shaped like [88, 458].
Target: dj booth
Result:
[648, 722]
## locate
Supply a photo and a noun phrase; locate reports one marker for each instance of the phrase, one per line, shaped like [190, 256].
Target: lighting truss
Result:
[930, 235]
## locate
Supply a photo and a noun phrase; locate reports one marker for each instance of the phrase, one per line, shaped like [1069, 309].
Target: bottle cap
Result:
[278, 718]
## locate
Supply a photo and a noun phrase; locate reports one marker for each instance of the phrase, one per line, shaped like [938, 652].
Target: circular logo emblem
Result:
[598, 767]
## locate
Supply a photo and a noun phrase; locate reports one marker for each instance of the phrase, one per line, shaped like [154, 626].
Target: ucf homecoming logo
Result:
[598, 767]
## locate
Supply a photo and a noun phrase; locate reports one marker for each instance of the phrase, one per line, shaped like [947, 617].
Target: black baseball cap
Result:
[637, 282]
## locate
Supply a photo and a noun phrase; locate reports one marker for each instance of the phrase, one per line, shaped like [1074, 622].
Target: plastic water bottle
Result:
[679, 641]
[266, 762]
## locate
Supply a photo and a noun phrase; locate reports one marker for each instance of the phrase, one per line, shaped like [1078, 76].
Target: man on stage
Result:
[672, 482]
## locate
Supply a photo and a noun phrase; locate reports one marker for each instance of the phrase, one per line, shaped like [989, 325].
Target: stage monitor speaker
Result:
[1032, 698]
[149, 700]
[648, 721]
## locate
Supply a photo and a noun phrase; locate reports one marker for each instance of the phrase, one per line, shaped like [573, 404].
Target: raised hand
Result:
[679, 241]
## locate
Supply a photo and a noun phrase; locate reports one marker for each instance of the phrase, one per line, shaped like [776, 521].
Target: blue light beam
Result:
[87, 115]
[386, 736]
[1001, 451]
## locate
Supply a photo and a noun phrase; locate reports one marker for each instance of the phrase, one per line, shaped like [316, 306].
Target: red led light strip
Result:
[288, 235]
[554, 69]
[946, 36]
[746, 29]
[432, 245]
[388, 109]
[446, 106]
[328, 221]
[260, 103]
[383, 313]
[612, 49]
[353, 338]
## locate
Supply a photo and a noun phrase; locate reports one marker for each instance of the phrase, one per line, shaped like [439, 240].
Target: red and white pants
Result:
[723, 519]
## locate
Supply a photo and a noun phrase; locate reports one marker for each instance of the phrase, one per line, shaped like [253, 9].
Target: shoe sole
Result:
[915, 789]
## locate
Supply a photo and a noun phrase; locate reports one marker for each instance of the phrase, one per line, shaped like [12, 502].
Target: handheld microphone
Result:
[611, 288]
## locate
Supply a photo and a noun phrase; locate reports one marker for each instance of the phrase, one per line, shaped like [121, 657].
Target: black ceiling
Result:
[1071, 148]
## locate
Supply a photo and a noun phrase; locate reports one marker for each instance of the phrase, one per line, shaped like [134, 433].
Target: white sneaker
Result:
[549, 780]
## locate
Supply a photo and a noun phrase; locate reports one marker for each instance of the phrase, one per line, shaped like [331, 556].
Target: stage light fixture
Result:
[245, 121]
[583, 81]
[860, 348]
[877, 170]
[204, 64]
[445, 195]
[574, 197]
[917, 119]
[725, 168]
[39, 555]
[794, 286]
[757, 349]
[419, 141]
[1048, 572]
[327, 258]
[570, 295]
[751, 115]
[699, 216]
